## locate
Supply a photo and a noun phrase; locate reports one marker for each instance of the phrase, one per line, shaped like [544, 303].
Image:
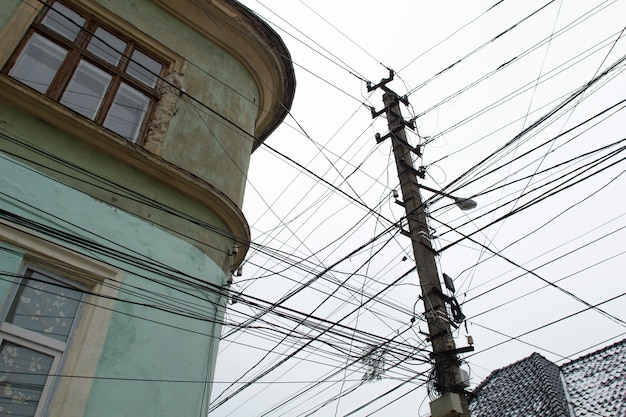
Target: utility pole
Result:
[449, 378]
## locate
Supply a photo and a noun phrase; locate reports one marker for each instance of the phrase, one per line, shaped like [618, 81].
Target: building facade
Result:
[126, 130]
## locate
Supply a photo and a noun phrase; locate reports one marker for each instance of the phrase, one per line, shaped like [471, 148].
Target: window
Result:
[89, 69]
[89, 325]
[36, 332]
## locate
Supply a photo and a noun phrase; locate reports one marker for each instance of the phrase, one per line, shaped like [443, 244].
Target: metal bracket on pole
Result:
[404, 99]
[384, 81]
[432, 337]
[375, 113]
[383, 86]
[409, 168]
[456, 351]
[417, 151]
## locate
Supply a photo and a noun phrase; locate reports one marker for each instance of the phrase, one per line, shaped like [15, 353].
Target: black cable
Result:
[451, 35]
[218, 404]
[277, 345]
[142, 199]
[206, 285]
[556, 187]
[511, 338]
[234, 125]
[332, 374]
[558, 258]
[552, 284]
[11, 278]
[288, 58]
[581, 90]
[503, 66]
[449, 67]
[552, 192]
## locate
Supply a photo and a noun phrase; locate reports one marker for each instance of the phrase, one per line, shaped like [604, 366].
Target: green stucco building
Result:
[126, 130]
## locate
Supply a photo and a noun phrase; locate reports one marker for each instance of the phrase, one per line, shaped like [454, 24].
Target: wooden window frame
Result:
[77, 51]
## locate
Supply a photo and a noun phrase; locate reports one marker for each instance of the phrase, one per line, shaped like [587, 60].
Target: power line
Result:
[251, 243]
[505, 65]
[451, 35]
[479, 48]
[146, 266]
[543, 326]
[219, 403]
[344, 35]
[208, 13]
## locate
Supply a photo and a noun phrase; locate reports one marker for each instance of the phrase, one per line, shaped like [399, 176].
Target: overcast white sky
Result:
[562, 255]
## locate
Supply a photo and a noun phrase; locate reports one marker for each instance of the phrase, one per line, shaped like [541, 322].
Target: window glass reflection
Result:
[86, 89]
[45, 305]
[107, 46]
[38, 63]
[127, 112]
[144, 68]
[63, 21]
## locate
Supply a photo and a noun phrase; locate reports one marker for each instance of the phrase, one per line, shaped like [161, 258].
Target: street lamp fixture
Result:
[463, 203]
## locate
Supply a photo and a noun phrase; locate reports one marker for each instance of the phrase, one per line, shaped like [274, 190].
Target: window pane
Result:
[23, 374]
[86, 89]
[107, 46]
[64, 21]
[144, 68]
[45, 305]
[127, 112]
[38, 63]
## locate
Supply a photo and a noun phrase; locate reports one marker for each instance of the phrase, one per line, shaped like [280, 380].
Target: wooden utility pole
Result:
[448, 376]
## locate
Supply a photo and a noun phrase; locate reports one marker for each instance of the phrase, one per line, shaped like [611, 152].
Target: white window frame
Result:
[39, 341]
[69, 395]
[57, 359]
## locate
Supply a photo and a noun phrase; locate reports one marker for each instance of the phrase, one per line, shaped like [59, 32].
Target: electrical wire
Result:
[479, 48]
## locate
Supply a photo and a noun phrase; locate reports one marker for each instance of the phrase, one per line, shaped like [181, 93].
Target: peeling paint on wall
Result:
[163, 113]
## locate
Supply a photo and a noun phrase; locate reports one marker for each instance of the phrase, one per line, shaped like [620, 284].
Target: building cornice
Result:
[240, 32]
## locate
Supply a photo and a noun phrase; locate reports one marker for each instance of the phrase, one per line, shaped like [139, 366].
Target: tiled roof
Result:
[531, 387]
[596, 383]
[534, 387]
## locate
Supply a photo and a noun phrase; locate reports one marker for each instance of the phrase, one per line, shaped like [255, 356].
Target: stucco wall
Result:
[10, 262]
[58, 169]
[7, 10]
[144, 347]
[200, 137]
[110, 180]
[198, 140]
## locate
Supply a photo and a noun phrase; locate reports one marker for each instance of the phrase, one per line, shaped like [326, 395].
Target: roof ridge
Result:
[531, 385]
[532, 358]
[594, 353]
